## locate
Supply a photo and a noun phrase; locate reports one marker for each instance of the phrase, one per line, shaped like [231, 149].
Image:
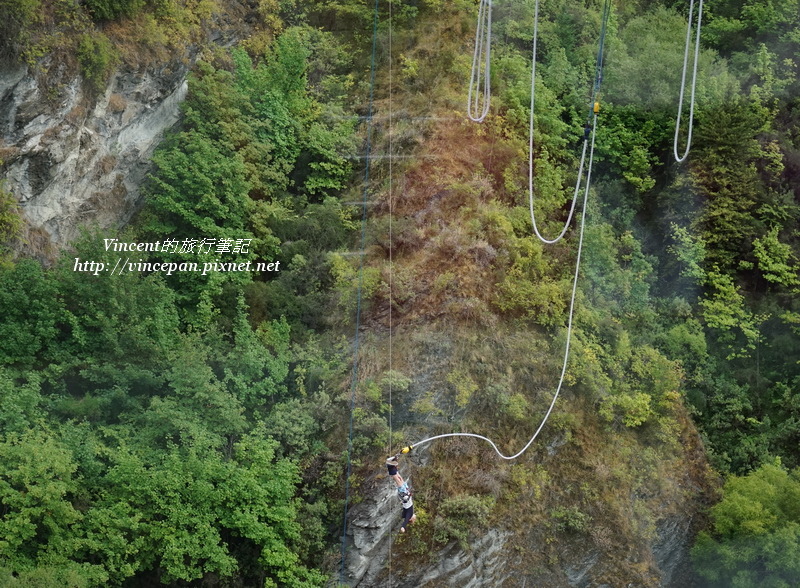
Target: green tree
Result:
[776, 260]
[97, 58]
[33, 314]
[17, 22]
[37, 526]
[755, 540]
[192, 512]
[10, 222]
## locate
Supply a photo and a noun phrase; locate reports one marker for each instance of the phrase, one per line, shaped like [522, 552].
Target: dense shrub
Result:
[111, 9]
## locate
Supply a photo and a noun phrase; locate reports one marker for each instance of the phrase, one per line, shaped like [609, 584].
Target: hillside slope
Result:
[465, 327]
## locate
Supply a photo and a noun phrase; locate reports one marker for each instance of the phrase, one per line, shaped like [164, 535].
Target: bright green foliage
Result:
[464, 386]
[32, 314]
[686, 343]
[630, 139]
[571, 519]
[189, 511]
[532, 295]
[352, 283]
[20, 407]
[37, 537]
[634, 409]
[725, 311]
[257, 363]
[200, 186]
[293, 424]
[724, 308]
[198, 405]
[17, 17]
[527, 288]
[776, 260]
[10, 221]
[691, 252]
[756, 534]
[614, 356]
[643, 385]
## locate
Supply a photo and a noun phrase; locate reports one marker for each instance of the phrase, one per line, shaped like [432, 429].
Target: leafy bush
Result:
[458, 515]
[571, 519]
[755, 539]
[17, 18]
[31, 314]
[10, 221]
[96, 58]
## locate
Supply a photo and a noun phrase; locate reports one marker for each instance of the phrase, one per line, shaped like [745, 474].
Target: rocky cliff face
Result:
[372, 524]
[73, 159]
[506, 557]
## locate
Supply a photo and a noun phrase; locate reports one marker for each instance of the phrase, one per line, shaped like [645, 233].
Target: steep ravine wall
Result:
[644, 499]
[371, 525]
[494, 557]
[79, 160]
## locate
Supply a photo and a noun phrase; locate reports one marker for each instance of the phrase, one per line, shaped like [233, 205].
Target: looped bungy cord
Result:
[569, 333]
[354, 376]
[678, 158]
[592, 123]
[477, 109]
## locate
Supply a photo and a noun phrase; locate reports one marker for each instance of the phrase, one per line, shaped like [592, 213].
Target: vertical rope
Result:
[598, 69]
[477, 109]
[354, 376]
[598, 78]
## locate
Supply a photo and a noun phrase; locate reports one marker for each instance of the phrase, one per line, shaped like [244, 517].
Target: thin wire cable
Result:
[683, 81]
[598, 78]
[391, 261]
[477, 110]
[354, 376]
[569, 331]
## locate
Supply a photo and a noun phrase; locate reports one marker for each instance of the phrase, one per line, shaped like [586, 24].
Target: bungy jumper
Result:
[403, 490]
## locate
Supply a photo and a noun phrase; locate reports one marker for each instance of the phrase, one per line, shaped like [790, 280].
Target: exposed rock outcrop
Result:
[74, 160]
[75, 157]
[372, 523]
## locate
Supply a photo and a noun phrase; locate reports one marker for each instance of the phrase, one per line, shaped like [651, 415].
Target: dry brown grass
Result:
[117, 103]
[7, 152]
[459, 170]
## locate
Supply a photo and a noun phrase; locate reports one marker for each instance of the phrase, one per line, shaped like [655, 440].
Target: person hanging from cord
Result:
[403, 492]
